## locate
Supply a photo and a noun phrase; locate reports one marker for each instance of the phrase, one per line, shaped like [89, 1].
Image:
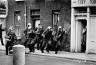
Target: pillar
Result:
[88, 30]
[18, 55]
[73, 32]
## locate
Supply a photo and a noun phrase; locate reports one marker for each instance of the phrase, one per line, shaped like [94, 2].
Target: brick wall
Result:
[45, 7]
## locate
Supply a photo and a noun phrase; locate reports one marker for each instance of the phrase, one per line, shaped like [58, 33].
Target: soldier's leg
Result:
[35, 41]
[29, 45]
[48, 48]
[7, 48]
[25, 43]
[29, 48]
[43, 46]
[41, 42]
[57, 47]
[33, 47]
[2, 41]
[38, 43]
[10, 47]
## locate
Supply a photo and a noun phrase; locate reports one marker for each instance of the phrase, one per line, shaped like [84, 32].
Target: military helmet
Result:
[11, 28]
[49, 27]
[29, 24]
[59, 27]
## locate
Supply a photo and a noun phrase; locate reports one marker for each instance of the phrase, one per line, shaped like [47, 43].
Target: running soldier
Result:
[47, 34]
[39, 37]
[30, 35]
[11, 38]
[59, 37]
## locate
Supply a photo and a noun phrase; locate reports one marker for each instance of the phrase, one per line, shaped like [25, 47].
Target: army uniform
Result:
[39, 37]
[59, 37]
[11, 41]
[47, 40]
[25, 32]
[31, 39]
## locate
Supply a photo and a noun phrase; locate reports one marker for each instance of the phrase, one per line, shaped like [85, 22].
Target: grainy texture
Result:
[18, 55]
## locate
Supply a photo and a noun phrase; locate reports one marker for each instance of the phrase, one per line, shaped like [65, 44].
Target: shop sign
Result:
[77, 3]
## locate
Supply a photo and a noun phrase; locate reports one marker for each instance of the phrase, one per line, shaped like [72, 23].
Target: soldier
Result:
[59, 37]
[39, 37]
[47, 34]
[30, 33]
[10, 37]
[26, 34]
[54, 39]
[1, 34]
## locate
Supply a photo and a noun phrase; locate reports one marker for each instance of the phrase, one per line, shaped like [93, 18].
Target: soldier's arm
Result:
[3, 29]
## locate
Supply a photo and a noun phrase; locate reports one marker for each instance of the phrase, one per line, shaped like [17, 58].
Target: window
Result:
[81, 9]
[17, 18]
[35, 14]
[35, 17]
[93, 10]
[56, 17]
[17, 22]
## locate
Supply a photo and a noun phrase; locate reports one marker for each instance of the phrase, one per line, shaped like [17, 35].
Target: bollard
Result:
[18, 55]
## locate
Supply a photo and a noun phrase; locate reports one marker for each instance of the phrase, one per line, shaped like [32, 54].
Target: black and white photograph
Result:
[47, 32]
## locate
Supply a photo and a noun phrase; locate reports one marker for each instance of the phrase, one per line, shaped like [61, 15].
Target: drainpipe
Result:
[25, 15]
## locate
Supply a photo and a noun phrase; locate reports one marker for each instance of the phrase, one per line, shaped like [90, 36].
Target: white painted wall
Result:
[92, 45]
[73, 29]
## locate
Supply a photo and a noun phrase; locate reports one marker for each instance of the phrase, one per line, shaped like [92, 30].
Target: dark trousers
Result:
[57, 47]
[43, 45]
[8, 47]
[46, 44]
[31, 45]
[1, 40]
[25, 43]
[38, 42]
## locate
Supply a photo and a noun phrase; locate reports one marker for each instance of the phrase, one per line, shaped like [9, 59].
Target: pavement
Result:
[63, 54]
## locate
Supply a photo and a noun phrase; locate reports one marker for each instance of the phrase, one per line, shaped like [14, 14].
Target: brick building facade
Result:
[45, 12]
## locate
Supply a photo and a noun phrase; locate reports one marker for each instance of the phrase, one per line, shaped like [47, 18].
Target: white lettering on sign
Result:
[76, 3]
[81, 1]
[93, 1]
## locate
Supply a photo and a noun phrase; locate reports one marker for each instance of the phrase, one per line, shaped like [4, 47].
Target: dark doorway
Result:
[81, 35]
[84, 34]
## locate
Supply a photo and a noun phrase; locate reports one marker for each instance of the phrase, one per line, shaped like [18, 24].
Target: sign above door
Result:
[79, 3]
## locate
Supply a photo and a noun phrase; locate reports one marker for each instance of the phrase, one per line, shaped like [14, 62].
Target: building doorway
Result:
[81, 32]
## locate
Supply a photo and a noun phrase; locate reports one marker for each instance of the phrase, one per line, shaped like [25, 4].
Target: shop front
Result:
[83, 26]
